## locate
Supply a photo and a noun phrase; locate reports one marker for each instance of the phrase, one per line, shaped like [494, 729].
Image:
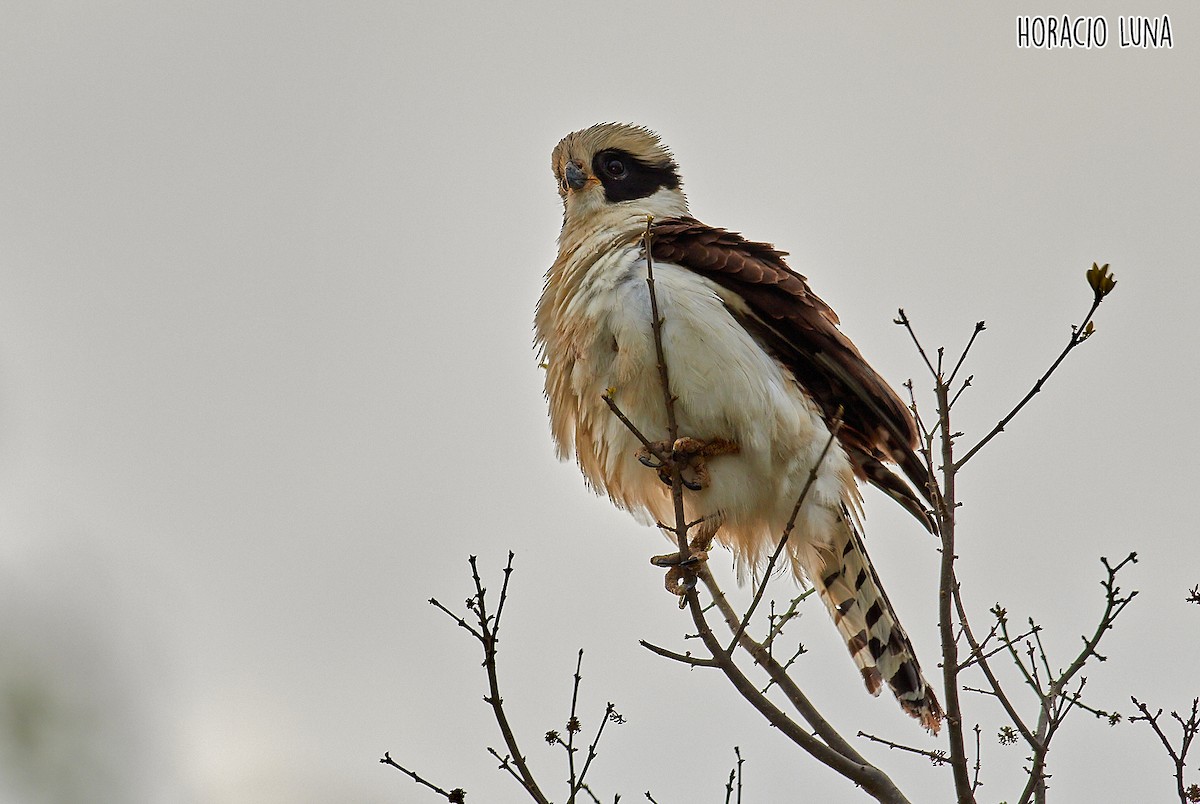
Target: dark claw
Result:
[672, 560]
[649, 461]
[691, 484]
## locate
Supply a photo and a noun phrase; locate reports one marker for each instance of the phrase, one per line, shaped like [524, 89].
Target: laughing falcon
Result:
[758, 367]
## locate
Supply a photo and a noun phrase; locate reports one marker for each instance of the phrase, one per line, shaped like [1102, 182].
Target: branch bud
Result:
[1101, 281]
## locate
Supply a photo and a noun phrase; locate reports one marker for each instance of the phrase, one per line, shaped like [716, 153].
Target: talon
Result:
[689, 455]
[648, 457]
[679, 582]
[672, 559]
[648, 460]
[667, 560]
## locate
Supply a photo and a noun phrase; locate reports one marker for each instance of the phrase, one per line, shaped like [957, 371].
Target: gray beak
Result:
[575, 176]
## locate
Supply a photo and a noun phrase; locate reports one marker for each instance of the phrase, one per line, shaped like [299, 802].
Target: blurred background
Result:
[267, 274]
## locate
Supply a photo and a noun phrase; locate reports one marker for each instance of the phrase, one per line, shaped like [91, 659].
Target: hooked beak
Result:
[574, 176]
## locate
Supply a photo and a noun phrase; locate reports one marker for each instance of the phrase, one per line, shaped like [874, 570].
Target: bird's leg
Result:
[681, 578]
[702, 540]
[689, 454]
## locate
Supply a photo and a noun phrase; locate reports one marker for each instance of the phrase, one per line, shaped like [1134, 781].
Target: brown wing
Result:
[801, 331]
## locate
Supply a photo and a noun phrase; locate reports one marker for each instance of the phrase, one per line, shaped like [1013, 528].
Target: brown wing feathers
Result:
[802, 331]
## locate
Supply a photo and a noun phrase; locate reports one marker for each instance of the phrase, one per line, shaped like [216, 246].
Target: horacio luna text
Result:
[1047, 33]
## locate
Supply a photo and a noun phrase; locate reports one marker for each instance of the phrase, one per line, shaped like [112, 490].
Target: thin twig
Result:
[683, 658]
[459, 621]
[966, 384]
[506, 764]
[778, 674]
[871, 778]
[519, 770]
[800, 651]
[783, 619]
[647, 443]
[455, 796]
[664, 378]
[902, 319]
[1078, 335]
[978, 755]
[944, 512]
[738, 753]
[982, 660]
[610, 713]
[979, 327]
[936, 757]
[1190, 727]
[787, 530]
[1054, 704]
[572, 729]
[973, 657]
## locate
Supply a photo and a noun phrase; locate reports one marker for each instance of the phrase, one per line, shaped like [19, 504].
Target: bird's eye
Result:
[615, 168]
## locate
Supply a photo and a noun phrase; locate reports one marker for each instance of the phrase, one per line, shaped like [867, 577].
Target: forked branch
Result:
[1189, 726]
[1055, 700]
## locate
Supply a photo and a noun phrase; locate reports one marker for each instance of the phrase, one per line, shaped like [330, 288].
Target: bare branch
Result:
[982, 659]
[778, 674]
[573, 728]
[966, 384]
[1079, 334]
[1190, 726]
[975, 654]
[683, 658]
[1055, 703]
[778, 621]
[610, 714]
[647, 443]
[459, 621]
[938, 758]
[800, 651]
[455, 796]
[872, 779]
[668, 397]
[735, 776]
[902, 320]
[978, 752]
[787, 530]
[515, 762]
[945, 503]
[979, 327]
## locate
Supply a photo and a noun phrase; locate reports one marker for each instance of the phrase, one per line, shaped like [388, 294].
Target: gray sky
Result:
[267, 274]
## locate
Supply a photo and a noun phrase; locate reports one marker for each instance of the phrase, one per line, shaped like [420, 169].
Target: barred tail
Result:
[855, 598]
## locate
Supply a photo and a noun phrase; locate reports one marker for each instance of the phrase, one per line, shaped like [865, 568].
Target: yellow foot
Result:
[690, 455]
[681, 574]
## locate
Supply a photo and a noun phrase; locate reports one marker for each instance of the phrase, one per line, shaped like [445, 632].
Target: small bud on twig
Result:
[1101, 280]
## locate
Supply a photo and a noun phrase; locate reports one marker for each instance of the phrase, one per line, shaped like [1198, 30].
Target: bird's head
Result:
[614, 172]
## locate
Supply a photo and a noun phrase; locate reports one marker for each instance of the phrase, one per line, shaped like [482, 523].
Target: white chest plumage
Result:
[726, 387]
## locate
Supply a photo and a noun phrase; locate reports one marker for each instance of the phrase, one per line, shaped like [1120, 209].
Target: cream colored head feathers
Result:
[613, 172]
